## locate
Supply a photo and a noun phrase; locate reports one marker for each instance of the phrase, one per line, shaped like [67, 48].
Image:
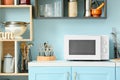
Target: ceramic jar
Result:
[24, 2]
[72, 8]
[8, 2]
[96, 12]
[8, 64]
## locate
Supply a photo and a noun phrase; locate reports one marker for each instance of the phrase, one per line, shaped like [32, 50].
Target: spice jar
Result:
[72, 8]
[8, 2]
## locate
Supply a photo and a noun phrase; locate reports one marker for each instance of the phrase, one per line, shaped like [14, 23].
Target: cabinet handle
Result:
[75, 75]
[68, 75]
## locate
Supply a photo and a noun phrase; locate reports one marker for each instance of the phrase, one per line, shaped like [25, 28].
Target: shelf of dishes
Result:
[16, 28]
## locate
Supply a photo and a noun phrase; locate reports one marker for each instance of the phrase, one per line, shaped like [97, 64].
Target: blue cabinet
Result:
[93, 73]
[71, 70]
[118, 73]
[118, 70]
[49, 73]
[72, 73]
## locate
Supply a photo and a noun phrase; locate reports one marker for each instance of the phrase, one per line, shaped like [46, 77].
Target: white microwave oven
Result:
[86, 47]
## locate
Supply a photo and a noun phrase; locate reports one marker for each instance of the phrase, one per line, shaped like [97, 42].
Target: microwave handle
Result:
[75, 75]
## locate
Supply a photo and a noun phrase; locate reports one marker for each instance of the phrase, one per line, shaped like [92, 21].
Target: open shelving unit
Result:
[14, 51]
[22, 13]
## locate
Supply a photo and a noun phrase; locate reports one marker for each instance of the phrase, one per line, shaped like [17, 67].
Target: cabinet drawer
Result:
[49, 73]
[93, 73]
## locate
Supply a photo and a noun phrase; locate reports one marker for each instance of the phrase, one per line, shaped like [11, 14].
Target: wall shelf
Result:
[64, 9]
[23, 13]
[18, 40]
[14, 6]
[13, 74]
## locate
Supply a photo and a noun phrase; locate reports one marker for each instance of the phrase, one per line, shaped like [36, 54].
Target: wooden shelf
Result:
[18, 40]
[70, 18]
[13, 74]
[14, 6]
[6, 9]
[64, 9]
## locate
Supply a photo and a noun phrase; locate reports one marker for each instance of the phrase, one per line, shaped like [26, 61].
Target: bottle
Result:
[87, 8]
[72, 8]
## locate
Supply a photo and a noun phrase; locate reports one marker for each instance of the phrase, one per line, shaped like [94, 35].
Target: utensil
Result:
[99, 7]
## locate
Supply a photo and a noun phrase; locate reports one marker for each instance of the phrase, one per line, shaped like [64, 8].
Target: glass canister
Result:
[49, 10]
[8, 2]
[72, 8]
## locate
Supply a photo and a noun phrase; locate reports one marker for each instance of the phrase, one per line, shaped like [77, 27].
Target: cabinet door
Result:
[117, 73]
[49, 73]
[93, 73]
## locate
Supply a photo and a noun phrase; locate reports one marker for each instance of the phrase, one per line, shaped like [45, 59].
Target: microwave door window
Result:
[82, 47]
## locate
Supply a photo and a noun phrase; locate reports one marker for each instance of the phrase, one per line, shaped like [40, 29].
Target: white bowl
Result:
[18, 28]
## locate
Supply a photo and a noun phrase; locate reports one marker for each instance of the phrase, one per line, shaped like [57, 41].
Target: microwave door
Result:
[83, 49]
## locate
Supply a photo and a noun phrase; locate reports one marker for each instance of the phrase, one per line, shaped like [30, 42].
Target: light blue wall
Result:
[53, 30]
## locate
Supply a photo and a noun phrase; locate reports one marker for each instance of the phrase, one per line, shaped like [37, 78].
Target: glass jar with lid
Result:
[72, 8]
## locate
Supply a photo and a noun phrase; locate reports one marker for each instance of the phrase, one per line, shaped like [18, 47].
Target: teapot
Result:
[8, 63]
